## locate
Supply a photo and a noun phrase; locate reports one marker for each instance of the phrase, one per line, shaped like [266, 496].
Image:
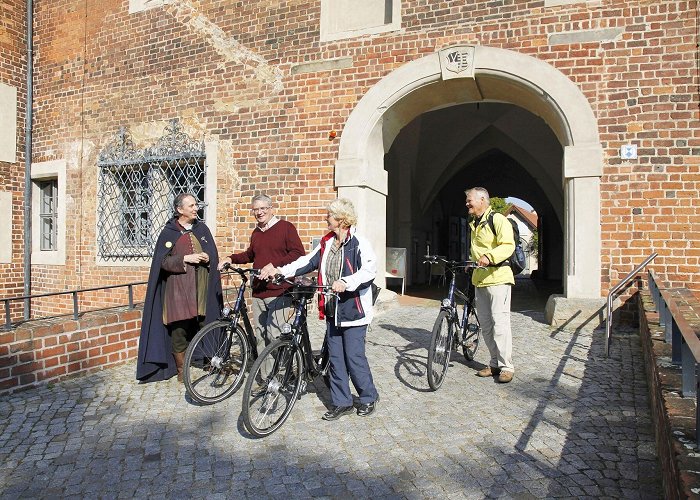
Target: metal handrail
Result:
[74, 293]
[625, 280]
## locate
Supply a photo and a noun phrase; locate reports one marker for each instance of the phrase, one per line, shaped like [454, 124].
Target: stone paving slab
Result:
[572, 424]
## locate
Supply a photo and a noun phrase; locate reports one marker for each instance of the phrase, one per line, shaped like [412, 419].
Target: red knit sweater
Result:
[278, 245]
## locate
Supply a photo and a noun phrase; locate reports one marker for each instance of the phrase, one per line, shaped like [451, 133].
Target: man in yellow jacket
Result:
[492, 282]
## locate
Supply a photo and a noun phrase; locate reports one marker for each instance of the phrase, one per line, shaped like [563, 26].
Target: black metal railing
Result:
[74, 293]
[685, 344]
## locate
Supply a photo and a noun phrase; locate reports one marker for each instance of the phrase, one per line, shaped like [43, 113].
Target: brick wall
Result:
[50, 350]
[227, 71]
[13, 70]
[673, 415]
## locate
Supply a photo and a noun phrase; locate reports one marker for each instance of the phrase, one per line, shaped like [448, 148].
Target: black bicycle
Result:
[451, 330]
[285, 367]
[217, 357]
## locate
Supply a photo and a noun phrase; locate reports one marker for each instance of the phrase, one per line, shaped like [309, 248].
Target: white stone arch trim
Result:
[533, 75]
[497, 75]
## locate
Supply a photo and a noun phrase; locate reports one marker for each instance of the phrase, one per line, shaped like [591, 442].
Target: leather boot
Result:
[179, 363]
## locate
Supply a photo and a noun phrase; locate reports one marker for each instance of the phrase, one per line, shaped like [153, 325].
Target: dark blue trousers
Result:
[346, 346]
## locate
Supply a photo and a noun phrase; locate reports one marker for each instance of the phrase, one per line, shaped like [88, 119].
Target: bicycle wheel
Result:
[440, 350]
[215, 362]
[272, 387]
[471, 336]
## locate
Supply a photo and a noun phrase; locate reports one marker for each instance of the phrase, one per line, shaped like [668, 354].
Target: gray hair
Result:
[343, 211]
[261, 197]
[180, 200]
[481, 191]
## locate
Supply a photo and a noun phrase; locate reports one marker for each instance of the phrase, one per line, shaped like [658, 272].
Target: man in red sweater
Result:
[274, 241]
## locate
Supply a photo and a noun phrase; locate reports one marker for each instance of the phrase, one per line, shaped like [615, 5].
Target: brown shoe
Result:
[489, 371]
[505, 377]
[179, 363]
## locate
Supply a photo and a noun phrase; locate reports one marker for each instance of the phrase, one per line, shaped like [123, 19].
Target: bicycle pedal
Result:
[302, 387]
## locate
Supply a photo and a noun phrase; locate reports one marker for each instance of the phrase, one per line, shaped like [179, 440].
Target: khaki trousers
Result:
[269, 315]
[493, 309]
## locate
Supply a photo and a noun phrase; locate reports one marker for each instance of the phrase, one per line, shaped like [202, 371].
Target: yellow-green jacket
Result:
[496, 247]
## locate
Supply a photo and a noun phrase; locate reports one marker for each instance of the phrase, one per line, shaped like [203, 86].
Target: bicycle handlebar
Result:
[242, 271]
[301, 281]
[452, 264]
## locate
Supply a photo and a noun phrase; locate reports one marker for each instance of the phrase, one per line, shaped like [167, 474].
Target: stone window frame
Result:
[48, 214]
[210, 156]
[53, 170]
[329, 9]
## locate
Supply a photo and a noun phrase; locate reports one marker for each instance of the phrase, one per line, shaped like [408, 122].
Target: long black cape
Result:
[155, 360]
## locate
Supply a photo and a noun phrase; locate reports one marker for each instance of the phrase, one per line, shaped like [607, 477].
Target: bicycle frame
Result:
[210, 361]
[451, 331]
[285, 368]
[241, 312]
[240, 309]
[449, 303]
[300, 333]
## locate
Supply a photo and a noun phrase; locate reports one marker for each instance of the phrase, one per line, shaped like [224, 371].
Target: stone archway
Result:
[465, 74]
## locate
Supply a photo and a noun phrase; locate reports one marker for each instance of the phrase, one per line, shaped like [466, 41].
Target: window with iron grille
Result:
[48, 214]
[137, 189]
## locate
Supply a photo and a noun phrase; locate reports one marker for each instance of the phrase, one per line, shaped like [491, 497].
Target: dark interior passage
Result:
[501, 147]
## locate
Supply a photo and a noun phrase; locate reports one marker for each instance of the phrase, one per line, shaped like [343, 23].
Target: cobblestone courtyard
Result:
[571, 424]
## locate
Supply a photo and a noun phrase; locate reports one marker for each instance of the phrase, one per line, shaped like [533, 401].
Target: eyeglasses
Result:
[261, 209]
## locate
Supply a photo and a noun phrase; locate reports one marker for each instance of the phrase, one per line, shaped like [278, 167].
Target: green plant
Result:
[534, 243]
[499, 205]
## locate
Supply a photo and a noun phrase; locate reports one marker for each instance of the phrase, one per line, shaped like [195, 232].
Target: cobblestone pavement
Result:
[571, 424]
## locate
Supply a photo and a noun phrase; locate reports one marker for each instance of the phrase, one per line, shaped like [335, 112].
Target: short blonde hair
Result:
[343, 211]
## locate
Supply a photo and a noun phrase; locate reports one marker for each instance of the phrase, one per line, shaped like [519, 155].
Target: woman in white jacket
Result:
[347, 262]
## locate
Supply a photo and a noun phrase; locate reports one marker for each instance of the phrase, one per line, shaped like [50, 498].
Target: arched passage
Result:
[499, 146]
[474, 74]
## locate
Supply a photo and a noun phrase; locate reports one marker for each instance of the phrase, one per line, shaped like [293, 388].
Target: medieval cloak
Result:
[155, 359]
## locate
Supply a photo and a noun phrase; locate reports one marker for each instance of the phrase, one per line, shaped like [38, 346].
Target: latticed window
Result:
[137, 189]
[48, 214]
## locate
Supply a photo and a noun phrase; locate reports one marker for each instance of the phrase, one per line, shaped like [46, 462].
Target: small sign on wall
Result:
[628, 151]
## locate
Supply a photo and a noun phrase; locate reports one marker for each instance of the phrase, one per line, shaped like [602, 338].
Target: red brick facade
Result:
[13, 73]
[55, 349]
[226, 70]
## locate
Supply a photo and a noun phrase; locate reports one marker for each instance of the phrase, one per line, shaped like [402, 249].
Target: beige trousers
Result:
[493, 309]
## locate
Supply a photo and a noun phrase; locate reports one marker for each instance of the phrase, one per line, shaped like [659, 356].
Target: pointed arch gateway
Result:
[465, 74]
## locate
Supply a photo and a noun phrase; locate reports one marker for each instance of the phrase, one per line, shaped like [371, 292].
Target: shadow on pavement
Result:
[410, 357]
